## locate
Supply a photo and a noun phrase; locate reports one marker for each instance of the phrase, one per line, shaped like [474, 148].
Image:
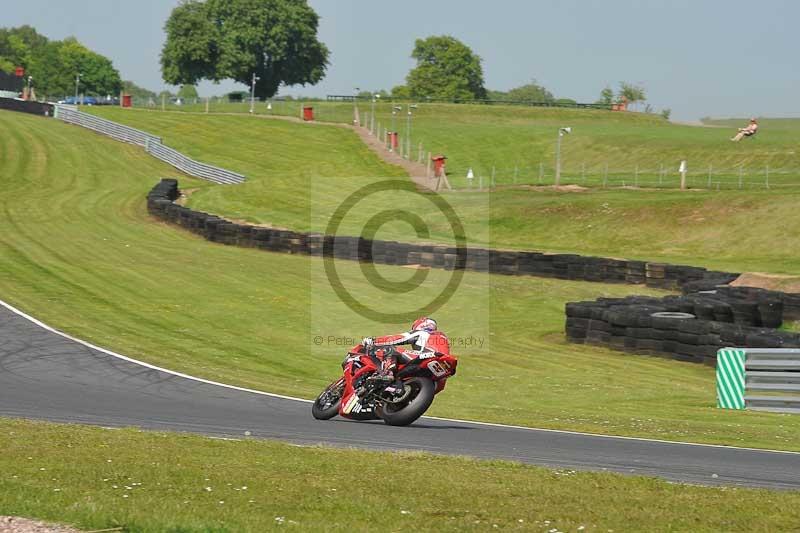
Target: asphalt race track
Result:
[44, 375]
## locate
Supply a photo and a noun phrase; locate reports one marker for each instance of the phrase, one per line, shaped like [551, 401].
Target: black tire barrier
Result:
[688, 328]
[528, 263]
[23, 106]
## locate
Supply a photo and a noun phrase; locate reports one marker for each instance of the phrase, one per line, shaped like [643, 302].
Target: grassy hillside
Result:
[635, 148]
[146, 481]
[80, 252]
[748, 230]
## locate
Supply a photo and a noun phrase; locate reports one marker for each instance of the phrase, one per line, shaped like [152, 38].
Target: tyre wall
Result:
[561, 266]
[35, 108]
[719, 318]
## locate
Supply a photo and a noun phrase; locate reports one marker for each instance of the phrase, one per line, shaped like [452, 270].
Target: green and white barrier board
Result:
[730, 378]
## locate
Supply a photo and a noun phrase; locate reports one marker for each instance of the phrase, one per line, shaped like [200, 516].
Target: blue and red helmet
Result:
[424, 324]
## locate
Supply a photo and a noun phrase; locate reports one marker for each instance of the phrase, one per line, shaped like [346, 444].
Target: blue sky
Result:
[699, 58]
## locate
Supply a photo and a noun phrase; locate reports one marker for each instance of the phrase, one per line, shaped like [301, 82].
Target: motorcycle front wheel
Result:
[326, 406]
[417, 400]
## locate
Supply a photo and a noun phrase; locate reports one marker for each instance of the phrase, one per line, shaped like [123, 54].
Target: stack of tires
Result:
[691, 327]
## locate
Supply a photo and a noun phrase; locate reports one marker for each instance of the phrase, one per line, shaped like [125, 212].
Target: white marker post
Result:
[682, 170]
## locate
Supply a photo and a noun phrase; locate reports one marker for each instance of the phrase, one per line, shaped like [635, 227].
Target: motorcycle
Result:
[360, 394]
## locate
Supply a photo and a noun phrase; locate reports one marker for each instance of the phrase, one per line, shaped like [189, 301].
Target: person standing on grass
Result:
[747, 131]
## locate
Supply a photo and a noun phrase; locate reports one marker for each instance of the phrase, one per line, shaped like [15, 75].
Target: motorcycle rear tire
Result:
[320, 412]
[424, 390]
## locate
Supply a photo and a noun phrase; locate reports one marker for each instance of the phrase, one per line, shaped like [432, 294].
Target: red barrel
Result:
[438, 165]
[308, 113]
[126, 100]
[393, 140]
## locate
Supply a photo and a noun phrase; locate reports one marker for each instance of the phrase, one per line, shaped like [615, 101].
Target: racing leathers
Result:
[423, 344]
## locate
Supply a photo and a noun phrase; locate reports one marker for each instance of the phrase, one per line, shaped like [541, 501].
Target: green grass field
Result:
[147, 481]
[618, 149]
[81, 253]
[749, 230]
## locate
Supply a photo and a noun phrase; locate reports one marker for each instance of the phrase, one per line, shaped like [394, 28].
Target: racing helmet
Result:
[424, 324]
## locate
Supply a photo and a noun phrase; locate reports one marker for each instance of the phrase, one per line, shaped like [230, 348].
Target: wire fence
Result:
[662, 176]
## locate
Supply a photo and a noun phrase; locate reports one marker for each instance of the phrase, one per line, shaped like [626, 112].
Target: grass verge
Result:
[148, 481]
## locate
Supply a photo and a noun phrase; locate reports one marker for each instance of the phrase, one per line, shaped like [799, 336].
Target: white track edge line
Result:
[142, 363]
[273, 395]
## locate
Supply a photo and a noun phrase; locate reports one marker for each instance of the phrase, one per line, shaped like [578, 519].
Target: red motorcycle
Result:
[360, 394]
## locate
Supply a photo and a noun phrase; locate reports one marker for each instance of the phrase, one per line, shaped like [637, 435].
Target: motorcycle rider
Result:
[425, 339]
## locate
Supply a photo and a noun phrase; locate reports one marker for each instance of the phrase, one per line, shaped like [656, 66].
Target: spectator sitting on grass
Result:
[747, 131]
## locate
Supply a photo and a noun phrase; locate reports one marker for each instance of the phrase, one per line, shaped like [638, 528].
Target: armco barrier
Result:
[23, 106]
[190, 166]
[106, 127]
[151, 143]
[772, 374]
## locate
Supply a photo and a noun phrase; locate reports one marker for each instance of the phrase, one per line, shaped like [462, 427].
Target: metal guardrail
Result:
[190, 166]
[151, 143]
[107, 127]
[773, 374]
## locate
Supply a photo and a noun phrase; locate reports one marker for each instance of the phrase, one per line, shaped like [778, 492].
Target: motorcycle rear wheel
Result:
[414, 406]
[326, 406]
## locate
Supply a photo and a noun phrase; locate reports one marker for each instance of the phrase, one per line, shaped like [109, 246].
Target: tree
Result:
[188, 92]
[530, 92]
[606, 96]
[401, 92]
[499, 96]
[446, 68]
[128, 87]
[632, 93]
[233, 39]
[54, 64]
[19, 45]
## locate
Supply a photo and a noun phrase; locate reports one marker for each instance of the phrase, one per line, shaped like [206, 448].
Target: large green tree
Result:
[53, 65]
[233, 39]
[446, 68]
[18, 46]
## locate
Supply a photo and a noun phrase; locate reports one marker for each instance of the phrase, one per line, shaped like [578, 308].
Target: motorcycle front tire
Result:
[319, 411]
[423, 390]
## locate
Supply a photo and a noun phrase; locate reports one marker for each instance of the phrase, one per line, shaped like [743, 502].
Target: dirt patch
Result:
[184, 197]
[417, 171]
[15, 524]
[779, 282]
[559, 188]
